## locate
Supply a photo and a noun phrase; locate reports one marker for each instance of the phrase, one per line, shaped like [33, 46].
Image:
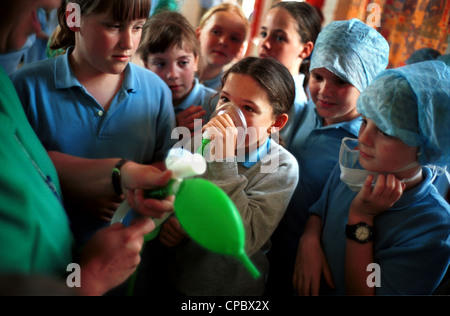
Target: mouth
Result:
[325, 103]
[121, 58]
[175, 87]
[220, 53]
[362, 154]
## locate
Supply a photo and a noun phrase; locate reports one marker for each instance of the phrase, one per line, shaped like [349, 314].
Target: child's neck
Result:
[102, 86]
[209, 71]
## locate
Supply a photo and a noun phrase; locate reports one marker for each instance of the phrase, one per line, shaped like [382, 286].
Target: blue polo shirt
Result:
[200, 95]
[411, 239]
[316, 148]
[68, 119]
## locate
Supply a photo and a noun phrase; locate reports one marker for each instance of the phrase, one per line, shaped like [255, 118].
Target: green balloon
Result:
[209, 217]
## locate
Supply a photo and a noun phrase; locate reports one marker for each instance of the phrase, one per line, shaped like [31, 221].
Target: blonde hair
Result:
[225, 7]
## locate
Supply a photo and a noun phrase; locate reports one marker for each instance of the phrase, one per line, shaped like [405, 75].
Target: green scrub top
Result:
[35, 236]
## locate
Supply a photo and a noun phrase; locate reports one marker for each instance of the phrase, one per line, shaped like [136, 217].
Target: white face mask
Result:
[353, 174]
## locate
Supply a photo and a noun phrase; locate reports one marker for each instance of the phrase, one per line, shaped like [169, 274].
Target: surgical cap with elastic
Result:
[352, 51]
[413, 104]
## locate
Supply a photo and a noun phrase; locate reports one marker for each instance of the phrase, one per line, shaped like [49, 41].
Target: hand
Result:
[223, 136]
[135, 179]
[112, 255]
[310, 264]
[370, 202]
[187, 117]
[171, 233]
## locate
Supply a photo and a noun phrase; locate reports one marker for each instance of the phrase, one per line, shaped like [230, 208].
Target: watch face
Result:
[362, 233]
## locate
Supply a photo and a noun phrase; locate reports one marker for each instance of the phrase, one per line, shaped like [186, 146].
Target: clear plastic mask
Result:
[353, 174]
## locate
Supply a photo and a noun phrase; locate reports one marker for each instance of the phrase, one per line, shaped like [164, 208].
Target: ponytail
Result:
[62, 37]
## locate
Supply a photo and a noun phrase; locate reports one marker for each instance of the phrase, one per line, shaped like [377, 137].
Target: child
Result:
[170, 48]
[288, 34]
[347, 55]
[222, 31]
[92, 103]
[403, 222]
[263, 90]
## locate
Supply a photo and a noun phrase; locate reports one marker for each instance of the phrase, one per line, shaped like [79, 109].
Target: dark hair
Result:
[120, 10]
[166, 29]
[270, 75]
[309, 25]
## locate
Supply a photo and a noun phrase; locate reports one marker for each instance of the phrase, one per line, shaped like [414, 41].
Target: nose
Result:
[366, 133]
[326, 88]
[126, 40]
[172, 73]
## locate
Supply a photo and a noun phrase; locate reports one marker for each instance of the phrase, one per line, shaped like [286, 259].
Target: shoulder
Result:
[280, 160]
[39, 69]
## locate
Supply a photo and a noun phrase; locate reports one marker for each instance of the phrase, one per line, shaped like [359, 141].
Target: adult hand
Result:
[112, 255]
[135, 179]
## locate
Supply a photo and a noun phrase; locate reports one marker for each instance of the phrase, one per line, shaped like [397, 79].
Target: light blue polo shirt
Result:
[200, 95]
[316, 148]
[68, 119]
[411, 240]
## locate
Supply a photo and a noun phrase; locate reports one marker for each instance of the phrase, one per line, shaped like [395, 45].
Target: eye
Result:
[316, 76]
[236, 39]
[224, 99]
[263, 34]
[341, 82]
[248, 108]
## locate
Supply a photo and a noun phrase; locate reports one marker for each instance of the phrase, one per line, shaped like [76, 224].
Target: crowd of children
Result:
[342, 168]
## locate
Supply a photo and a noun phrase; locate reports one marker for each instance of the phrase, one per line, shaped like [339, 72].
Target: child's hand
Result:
[186, 118]
[372, 201]
[223, 136]
[171, 233]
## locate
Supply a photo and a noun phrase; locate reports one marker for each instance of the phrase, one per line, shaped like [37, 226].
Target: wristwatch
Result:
[361, 232]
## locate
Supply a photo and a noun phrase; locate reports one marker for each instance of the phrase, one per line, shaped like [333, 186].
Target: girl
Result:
[263, 90]
[347, 55]
[288, 34]
[170, 48]
[396, 218]
[222, 31]
[92, 103]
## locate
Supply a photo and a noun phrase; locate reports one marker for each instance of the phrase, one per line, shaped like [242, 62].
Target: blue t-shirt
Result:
[66, 118]
[411, 243]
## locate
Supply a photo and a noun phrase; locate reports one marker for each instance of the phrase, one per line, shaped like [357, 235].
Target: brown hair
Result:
[166, 29]
[120, 10]
[270, 75]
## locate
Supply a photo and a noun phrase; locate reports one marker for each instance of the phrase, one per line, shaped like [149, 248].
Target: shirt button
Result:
[100, 113]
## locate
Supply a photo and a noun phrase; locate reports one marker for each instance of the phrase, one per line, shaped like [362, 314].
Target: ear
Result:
[307, 50]
[198, 31]
[280, 122]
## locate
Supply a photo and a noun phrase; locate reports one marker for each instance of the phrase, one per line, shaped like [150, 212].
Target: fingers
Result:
[171, 233]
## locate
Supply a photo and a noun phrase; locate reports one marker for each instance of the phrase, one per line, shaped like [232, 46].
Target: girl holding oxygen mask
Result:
[392, 215]
[263, 90]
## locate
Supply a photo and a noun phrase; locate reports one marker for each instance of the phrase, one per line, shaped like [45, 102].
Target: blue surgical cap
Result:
[352, 51]
[423, 54]
[413, 104]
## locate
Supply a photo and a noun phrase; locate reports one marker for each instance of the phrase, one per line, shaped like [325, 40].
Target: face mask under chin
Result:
[353, 174]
